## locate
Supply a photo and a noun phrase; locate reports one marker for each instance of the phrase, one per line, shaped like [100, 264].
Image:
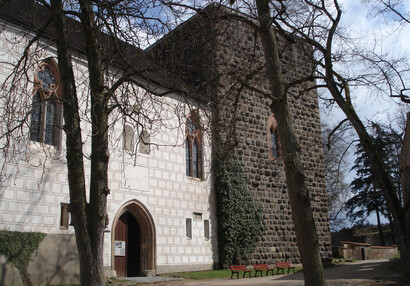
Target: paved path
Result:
[361, 273]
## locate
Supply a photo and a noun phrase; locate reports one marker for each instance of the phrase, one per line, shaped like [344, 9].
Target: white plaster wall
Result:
[30, 196]
[171, 197]
[34, 181]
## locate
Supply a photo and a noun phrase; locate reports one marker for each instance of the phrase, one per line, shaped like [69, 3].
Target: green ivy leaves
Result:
[240, 218]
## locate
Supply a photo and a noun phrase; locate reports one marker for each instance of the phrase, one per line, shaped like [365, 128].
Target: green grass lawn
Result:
[214, 274]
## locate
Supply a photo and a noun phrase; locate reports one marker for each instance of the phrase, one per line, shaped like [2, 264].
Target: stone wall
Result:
[365, 251]
[369, 234]
[239, 50]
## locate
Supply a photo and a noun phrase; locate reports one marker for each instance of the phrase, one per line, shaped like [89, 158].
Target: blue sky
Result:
[386, 36]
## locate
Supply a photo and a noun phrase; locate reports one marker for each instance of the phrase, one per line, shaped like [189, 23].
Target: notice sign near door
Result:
[119, 249]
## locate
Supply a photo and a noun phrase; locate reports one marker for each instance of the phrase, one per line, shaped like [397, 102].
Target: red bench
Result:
[239, 268]
[284, 265]
[261, 267]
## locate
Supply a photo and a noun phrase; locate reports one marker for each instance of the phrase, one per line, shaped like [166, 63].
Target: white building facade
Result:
[161, 207]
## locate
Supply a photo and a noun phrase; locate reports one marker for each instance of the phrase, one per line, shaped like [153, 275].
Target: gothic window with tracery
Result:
[46, 108]
[193, 147]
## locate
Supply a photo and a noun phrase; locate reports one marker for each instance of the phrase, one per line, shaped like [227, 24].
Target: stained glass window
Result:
[35, 118]
[46, 78]
[50, 122]
[46, 111]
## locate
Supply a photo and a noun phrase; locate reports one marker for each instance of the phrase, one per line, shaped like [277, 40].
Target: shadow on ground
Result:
[379, 272]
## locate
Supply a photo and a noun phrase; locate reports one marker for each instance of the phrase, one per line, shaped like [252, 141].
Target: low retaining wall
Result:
[54, 263]
[365, 251]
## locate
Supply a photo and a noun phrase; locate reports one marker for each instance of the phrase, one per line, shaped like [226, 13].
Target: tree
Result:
[298, 192]
[368, 198]
[317, 23]
[302, 214]
[95, 28]
[394, 7]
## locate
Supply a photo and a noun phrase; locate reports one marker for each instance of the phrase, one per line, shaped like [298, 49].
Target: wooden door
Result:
[121, 244]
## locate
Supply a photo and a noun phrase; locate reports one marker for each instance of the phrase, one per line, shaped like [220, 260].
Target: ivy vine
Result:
[18, 248]
[240, 219]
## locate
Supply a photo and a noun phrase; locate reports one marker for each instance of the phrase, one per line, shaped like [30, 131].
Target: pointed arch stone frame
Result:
[148, 251]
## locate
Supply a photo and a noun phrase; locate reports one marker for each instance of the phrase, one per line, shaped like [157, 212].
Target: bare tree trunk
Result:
[302, 215]
[391, 226]
[338, 86]
[97, 211]
[89, 220]
[379, 226]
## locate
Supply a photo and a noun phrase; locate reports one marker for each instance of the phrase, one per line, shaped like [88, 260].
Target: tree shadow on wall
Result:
[57, 262]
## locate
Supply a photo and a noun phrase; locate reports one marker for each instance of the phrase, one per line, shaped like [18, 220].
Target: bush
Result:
[240, 218]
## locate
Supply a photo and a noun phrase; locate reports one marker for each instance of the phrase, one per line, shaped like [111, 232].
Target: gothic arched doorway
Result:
[133, 241]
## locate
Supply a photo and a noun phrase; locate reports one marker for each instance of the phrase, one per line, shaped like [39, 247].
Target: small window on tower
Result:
[65, 216]
[197, 216]
[274, 142]
[206, 229]
[273, 138]
[188, 226]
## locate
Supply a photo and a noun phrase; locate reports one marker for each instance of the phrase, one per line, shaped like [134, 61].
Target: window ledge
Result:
[38, 147]
[195, 178]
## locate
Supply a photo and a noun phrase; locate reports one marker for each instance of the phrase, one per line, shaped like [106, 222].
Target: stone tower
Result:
[220, 58]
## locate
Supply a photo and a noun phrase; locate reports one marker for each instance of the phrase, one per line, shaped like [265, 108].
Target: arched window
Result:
[193, 147]
[46, 111]
[273, 138]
